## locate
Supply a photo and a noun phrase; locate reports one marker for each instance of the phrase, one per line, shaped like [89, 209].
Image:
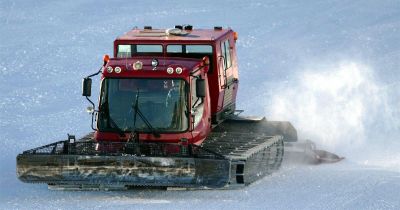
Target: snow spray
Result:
[343, 108]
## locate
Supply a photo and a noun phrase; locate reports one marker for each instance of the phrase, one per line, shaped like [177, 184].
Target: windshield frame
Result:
[147, 131]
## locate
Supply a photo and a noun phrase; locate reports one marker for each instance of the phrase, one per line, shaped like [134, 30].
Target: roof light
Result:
[148, 27]
[137, 65]
[170, 70]
[117, 69]
[178, 70]
[235, 35]
[109, 69]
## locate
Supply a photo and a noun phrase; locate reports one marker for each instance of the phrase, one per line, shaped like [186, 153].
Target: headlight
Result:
[178, 70]
[170, 70]
[109, 69]
[137, 65]
[154, 62]
[117, 69]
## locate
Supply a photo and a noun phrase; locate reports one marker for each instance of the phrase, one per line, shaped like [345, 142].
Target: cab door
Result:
[226, 70]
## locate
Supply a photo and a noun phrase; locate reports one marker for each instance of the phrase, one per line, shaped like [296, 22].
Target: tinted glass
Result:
[198, 49]
[149, 48]
[174, 48]
[139, 49]
[161, 101]
[203, 49]
[124, 51]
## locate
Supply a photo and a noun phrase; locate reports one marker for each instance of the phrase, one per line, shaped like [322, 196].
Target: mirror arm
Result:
[93, 128]
[94, 111]
[195, 103]
[90, 101]
[98, 72]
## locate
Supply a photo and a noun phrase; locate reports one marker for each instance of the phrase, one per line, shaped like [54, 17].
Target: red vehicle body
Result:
[218, 68]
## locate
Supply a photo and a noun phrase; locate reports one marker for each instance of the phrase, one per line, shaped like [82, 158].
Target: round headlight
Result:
[117, 69]
[170, 70]
[154, 62]
[137, 65]
[109, 69]
[178, 70]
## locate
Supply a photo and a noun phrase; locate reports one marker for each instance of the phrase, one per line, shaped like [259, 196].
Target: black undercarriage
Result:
[238, 152]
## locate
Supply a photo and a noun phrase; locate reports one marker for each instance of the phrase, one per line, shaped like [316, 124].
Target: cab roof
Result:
[137, 34]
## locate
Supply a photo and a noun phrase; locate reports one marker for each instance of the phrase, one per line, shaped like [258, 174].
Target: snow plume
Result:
[341, 107]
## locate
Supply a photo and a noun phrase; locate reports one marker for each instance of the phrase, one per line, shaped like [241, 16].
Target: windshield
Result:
[162, 102]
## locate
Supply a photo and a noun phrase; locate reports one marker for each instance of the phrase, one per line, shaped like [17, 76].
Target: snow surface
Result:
[330, 67]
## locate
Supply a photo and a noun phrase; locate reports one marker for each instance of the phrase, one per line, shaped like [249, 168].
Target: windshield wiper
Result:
[144, 119]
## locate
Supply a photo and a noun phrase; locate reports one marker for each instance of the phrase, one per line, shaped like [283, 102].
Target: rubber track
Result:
[253, 155]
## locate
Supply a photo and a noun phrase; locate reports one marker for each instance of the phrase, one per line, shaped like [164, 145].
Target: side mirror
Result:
[87, 87]
[200, 88]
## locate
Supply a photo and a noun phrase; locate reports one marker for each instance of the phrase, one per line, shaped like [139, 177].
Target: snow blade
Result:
[123, 170]
[81, 164]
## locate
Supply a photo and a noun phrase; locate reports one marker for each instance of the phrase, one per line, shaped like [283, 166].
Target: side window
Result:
[228, 54]
[197, 104]
[225, 51]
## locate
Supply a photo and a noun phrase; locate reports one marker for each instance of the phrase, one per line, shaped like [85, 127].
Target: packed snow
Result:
[329, 67]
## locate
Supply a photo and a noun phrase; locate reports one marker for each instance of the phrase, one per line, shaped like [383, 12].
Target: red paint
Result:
[216, 77]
